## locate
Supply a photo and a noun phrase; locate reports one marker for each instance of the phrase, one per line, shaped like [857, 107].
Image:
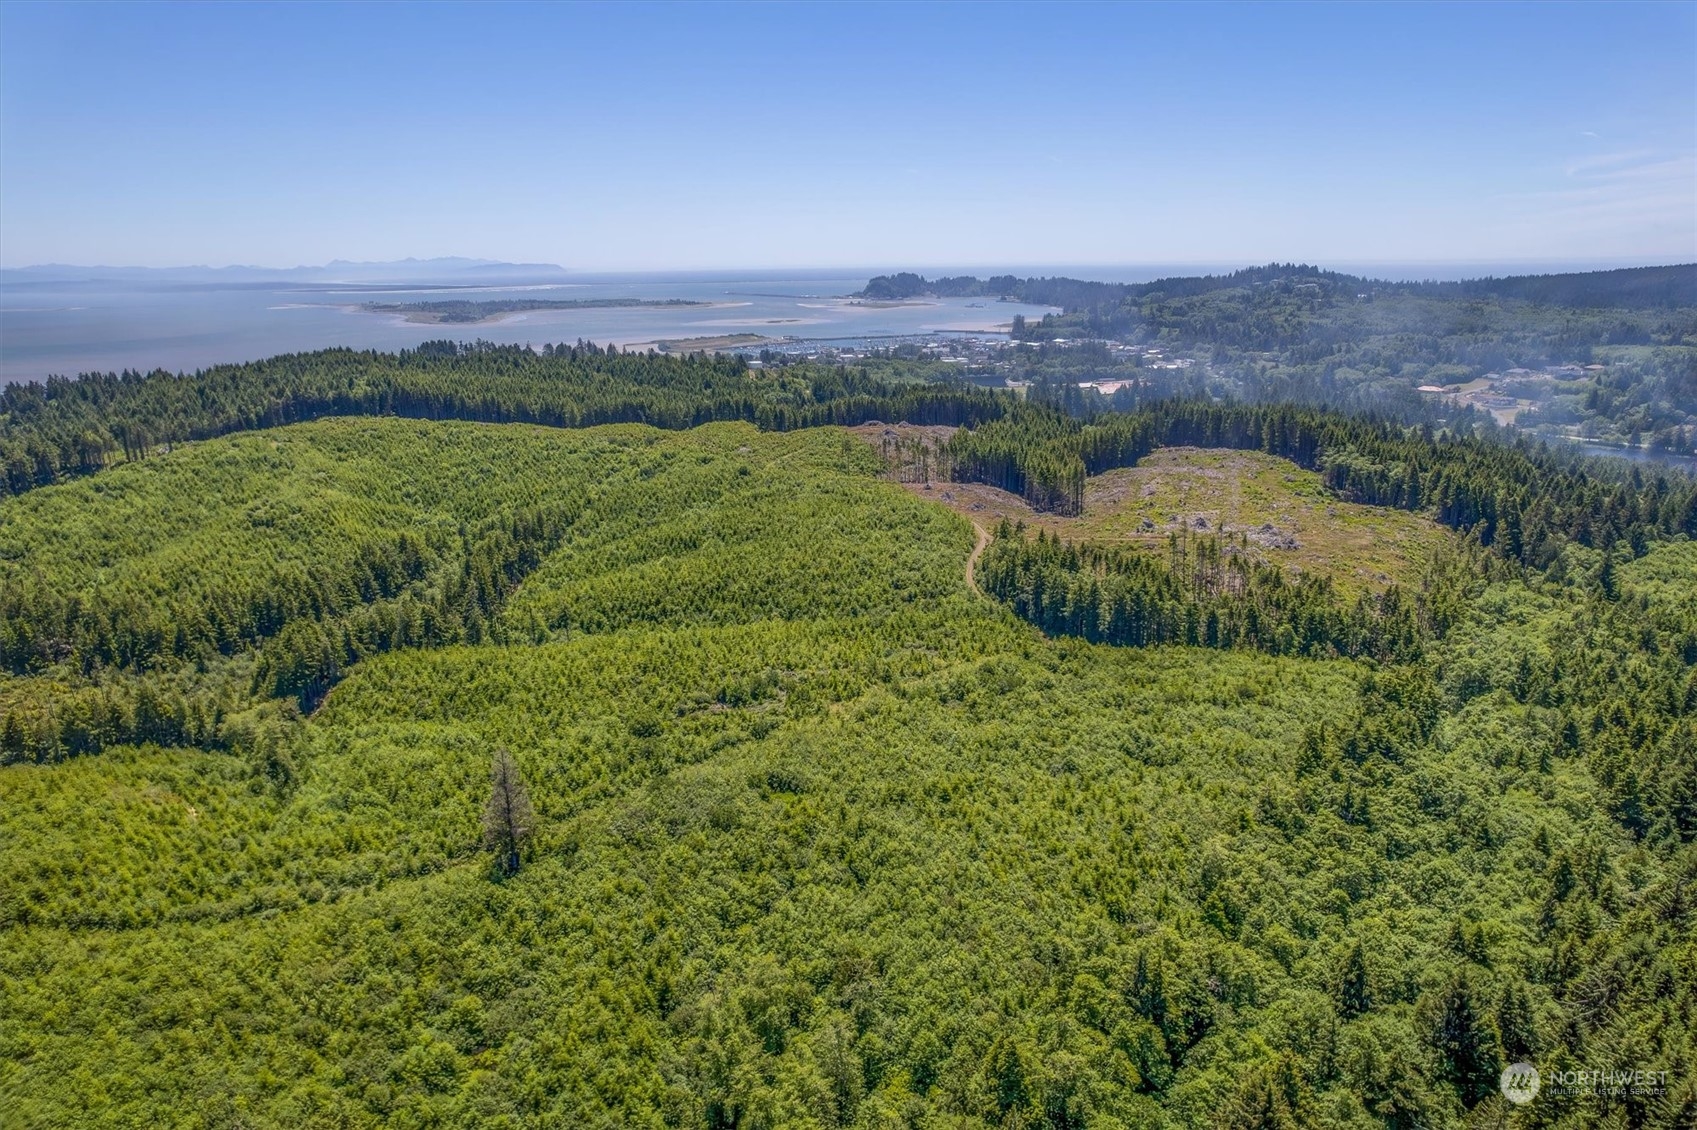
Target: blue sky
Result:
[632, 137]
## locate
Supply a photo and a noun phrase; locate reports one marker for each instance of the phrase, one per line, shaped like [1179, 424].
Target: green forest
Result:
[1288, 332]
[838, 803]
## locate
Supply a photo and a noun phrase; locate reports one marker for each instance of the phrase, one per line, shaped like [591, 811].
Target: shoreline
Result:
[402, 315]
[712, 344]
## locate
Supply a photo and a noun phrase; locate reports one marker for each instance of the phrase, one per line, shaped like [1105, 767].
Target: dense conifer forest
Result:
[484, 737]
[62, 427]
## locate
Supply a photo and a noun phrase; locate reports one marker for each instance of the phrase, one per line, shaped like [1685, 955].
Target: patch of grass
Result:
[1285, 512]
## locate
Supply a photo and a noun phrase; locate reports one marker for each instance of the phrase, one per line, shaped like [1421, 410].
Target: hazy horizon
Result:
[1447, 268]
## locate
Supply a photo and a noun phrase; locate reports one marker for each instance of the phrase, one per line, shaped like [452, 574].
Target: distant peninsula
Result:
[1624, 288]
[465, 312]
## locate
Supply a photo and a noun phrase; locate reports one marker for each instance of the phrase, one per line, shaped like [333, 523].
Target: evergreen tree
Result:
[1273, 1097]
[1515, 1027]
[507, 817]
[1009, 1076]
[1353, 995]
[1463, 1039]
[1606, 581]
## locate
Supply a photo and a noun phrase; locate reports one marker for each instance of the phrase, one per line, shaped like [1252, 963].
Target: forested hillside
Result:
[60, 427]
[824, 833]
[1670, 286]
[1290, 332]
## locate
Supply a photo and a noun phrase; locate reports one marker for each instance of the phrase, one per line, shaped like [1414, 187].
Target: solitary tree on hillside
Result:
[507, 818]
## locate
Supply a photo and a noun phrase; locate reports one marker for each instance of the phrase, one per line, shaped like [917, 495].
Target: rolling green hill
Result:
[1317, 811]
[823, 836]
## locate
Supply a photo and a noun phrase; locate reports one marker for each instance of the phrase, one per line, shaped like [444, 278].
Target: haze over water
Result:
[76, 321]
[55, 327]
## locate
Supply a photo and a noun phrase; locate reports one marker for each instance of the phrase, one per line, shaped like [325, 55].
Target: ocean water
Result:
[1653, 460]
[78, 320]
[55, 327]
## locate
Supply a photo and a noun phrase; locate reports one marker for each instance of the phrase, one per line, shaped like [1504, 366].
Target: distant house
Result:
[1519, 372]
[1431, 388]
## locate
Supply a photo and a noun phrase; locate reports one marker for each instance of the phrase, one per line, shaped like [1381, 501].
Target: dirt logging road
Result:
[977, 552]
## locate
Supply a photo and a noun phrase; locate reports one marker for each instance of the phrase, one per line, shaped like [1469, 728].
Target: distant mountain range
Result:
[447, 269]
